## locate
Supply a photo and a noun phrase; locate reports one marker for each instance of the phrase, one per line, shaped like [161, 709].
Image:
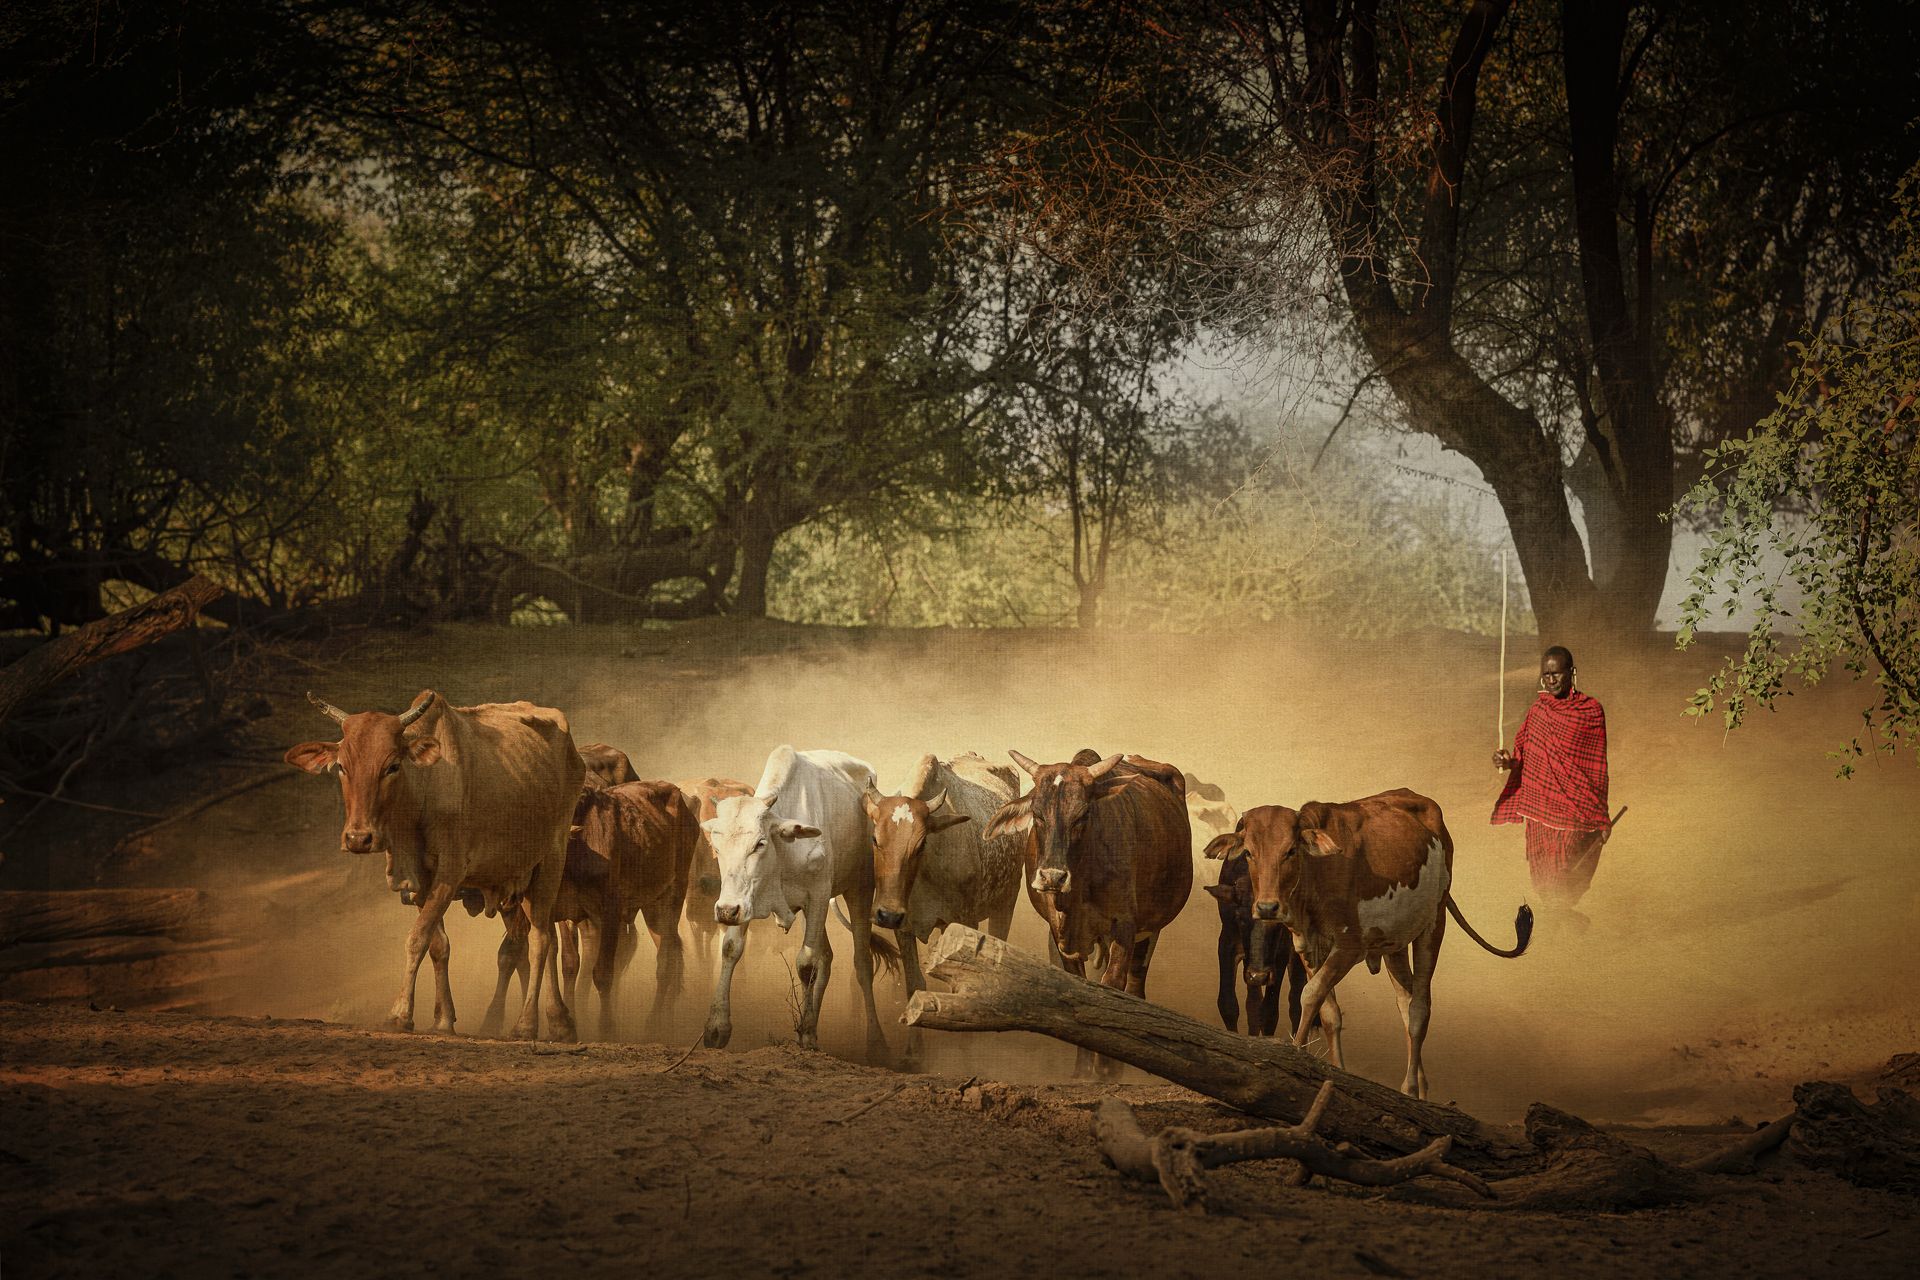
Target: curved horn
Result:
[933, 805]
[1033, 770]
[419, 709]
[1104, 765]
[873, 792]
[327, 707]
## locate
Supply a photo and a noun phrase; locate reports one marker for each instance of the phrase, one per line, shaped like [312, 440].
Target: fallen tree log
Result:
[1001, 988]
[129, 629]
[144, 948]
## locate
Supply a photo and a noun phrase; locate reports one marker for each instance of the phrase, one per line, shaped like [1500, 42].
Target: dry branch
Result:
[1000, 988]
[129, 629]
[1178, 1157]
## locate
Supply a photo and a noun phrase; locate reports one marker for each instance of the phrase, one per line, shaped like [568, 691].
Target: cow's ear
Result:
[1315, 842]
[794, 830]
[1223, 847]
[314, 757]
[1224, 892]
[711, 826]
[1015, 817]
[941, 822]
[423, 750]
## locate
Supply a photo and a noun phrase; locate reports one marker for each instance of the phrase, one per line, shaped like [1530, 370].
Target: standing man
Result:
[1557, 783]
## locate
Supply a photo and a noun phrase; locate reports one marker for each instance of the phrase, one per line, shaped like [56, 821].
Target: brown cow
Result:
[630, 852]
[1367, 880]
[459, 798]
[1108, 860]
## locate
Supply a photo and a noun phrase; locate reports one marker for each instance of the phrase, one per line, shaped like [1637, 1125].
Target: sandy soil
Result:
[162, 1144]
[1751, 926]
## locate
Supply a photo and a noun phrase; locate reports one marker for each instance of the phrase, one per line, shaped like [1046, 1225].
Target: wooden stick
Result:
[1500, 720]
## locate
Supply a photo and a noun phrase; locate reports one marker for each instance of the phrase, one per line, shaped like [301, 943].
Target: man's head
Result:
[1556, 671]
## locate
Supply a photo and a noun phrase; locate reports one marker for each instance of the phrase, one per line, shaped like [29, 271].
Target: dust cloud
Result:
[1751, 919]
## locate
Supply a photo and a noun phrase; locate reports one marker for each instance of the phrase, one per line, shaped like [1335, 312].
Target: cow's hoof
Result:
[444, 1026]
[397, 1023]
[561, 1032]
[716, 1035]
[523, 1031]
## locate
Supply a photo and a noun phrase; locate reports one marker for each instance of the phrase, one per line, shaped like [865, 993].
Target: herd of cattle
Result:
[495, 807]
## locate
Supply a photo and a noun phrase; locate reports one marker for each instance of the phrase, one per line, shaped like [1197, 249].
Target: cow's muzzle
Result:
[1052, 880]
[1267, 910]
[1258, 978]
[889, 919]
[361, 841]
[728, 915]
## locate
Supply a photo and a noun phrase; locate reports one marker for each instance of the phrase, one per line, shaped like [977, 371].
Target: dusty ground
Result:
[1751, 927]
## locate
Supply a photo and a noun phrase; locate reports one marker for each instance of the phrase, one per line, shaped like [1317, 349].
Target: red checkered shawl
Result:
[1561, 777]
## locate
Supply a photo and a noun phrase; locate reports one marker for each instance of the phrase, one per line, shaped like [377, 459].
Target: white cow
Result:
[934, 865]
[800, 840]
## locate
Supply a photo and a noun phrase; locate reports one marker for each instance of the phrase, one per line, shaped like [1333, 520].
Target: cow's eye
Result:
[759, 844]
[391, 769]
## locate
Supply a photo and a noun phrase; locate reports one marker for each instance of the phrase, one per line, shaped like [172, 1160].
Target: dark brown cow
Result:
[703, 885]
[1370, 880]
[630, 854]
[1264, 971]
[1108, 859]
[607, 766]
[459, 798]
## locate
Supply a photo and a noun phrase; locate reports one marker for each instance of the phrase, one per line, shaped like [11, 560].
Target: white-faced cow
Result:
[1370, 880]
[933, 862]
[703, 882]
[1108, 860]
[799, 841]
[460, 798]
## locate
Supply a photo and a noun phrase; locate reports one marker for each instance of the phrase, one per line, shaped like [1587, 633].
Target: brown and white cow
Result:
[1108, 860]
[703, 882]
[630, 852]
[459, 798]
[933, 864]
[1370, 880]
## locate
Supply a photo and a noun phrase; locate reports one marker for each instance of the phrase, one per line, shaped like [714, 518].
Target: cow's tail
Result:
[1522, 929]
[885, 949]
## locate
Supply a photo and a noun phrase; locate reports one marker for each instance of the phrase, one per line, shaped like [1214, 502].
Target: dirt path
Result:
[166, 1144]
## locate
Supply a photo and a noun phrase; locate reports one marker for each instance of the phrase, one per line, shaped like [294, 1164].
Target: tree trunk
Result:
[757, 540]
[1000, 988]
[128, 629]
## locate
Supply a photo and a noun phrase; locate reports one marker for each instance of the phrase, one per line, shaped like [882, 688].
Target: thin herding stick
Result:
[1500, 723]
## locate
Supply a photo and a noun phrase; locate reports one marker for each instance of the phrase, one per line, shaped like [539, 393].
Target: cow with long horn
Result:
[459, 798]
[1108, 861]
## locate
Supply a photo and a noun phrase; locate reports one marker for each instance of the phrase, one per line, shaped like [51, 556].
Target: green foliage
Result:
[1842, 448]
[1327, 548]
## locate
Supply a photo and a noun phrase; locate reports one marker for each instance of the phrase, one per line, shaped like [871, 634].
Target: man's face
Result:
[1556, 677]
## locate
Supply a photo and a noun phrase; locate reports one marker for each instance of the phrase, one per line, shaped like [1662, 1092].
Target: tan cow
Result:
[459, 798]
[933, 863]
[1370, 880]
